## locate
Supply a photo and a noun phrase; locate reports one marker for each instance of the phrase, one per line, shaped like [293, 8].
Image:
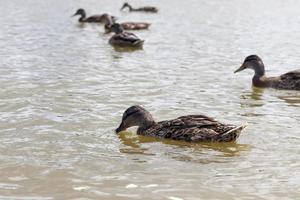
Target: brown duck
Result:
[109, 21]
[124, 39]
[142, 9]
[93, 18]
[289, 81]
[190, 128]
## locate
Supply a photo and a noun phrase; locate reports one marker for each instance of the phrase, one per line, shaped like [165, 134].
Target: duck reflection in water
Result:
[292, 99]
[258, 97]
[252, 98]
[206, 152]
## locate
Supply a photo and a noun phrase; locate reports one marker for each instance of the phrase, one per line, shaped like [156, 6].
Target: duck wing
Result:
[135, 25]
[126, 39]
[129, 37]
[290, 80]
[195, 128]
[294, 75]
[100, 18]
[186, 128]
[189, 121]
[148, 9]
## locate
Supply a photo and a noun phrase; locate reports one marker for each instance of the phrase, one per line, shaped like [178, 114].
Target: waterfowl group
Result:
[141, 9]
[120, 38]
[289, 81]
[190, 128]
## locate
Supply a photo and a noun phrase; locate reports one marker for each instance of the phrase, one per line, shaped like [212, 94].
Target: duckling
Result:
[142, 9]
[125, 25]
[190, 128]
[288, 81]
[124, 39]
[93, 18]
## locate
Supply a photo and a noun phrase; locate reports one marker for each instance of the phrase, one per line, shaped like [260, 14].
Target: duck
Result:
[287, 81]
[93, 18]
[135, 25]
[124, 39]
[125, 25]
[189, 128]
[142, 9]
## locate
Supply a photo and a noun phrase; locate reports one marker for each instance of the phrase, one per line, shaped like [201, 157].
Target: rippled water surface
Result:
[64, 89]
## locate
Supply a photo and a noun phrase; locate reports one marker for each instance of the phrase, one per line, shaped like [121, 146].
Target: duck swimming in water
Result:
[289, 81]
[190, 128]
[125, 25]
[93, 18]
[142, 9]
[124, 39]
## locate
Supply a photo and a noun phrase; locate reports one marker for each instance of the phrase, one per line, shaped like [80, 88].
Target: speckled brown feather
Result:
[290, 80]
[135, 25]
[193, 128]
[126, 39]
[96, 19]
[146, 9]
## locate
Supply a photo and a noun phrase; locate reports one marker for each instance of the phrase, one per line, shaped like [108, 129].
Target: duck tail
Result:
[139, 43]
[233, 134]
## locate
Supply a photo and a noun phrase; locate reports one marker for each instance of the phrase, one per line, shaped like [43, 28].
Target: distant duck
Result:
[190, 128]
[91, 19]
[289, 81]
[142, 9]
[129, 26]
[124, 39]
[125, 25]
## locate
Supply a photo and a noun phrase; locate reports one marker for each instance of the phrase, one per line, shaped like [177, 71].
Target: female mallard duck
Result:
[125, 25]
[135, 25]
[93, 18]
[142, 9]
[289, 81]
[191, 128]
[124, 39]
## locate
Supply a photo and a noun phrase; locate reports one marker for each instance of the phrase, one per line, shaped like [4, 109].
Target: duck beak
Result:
[114, 19]
[107, 31]
[120, 128]
[240, 69]
[123, 7]
[74, 14]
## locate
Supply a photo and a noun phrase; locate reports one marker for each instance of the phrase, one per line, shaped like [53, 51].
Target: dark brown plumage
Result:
[124, 39]
[125, 25]
[190, 128]
[142, 9]
[135, 25]
[289, 81]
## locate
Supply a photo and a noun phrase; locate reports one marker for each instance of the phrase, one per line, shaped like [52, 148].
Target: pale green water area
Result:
[64, 89]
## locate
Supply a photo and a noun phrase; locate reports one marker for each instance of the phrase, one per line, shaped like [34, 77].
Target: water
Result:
[64, 89]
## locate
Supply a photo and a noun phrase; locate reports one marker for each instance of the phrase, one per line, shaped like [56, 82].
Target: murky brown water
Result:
[64, 89]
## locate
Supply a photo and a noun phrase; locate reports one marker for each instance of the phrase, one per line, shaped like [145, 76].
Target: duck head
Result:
[80, 12]
[252, 62]
[126, 5]
[116, 28]
[135, 116]
[109, 21]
